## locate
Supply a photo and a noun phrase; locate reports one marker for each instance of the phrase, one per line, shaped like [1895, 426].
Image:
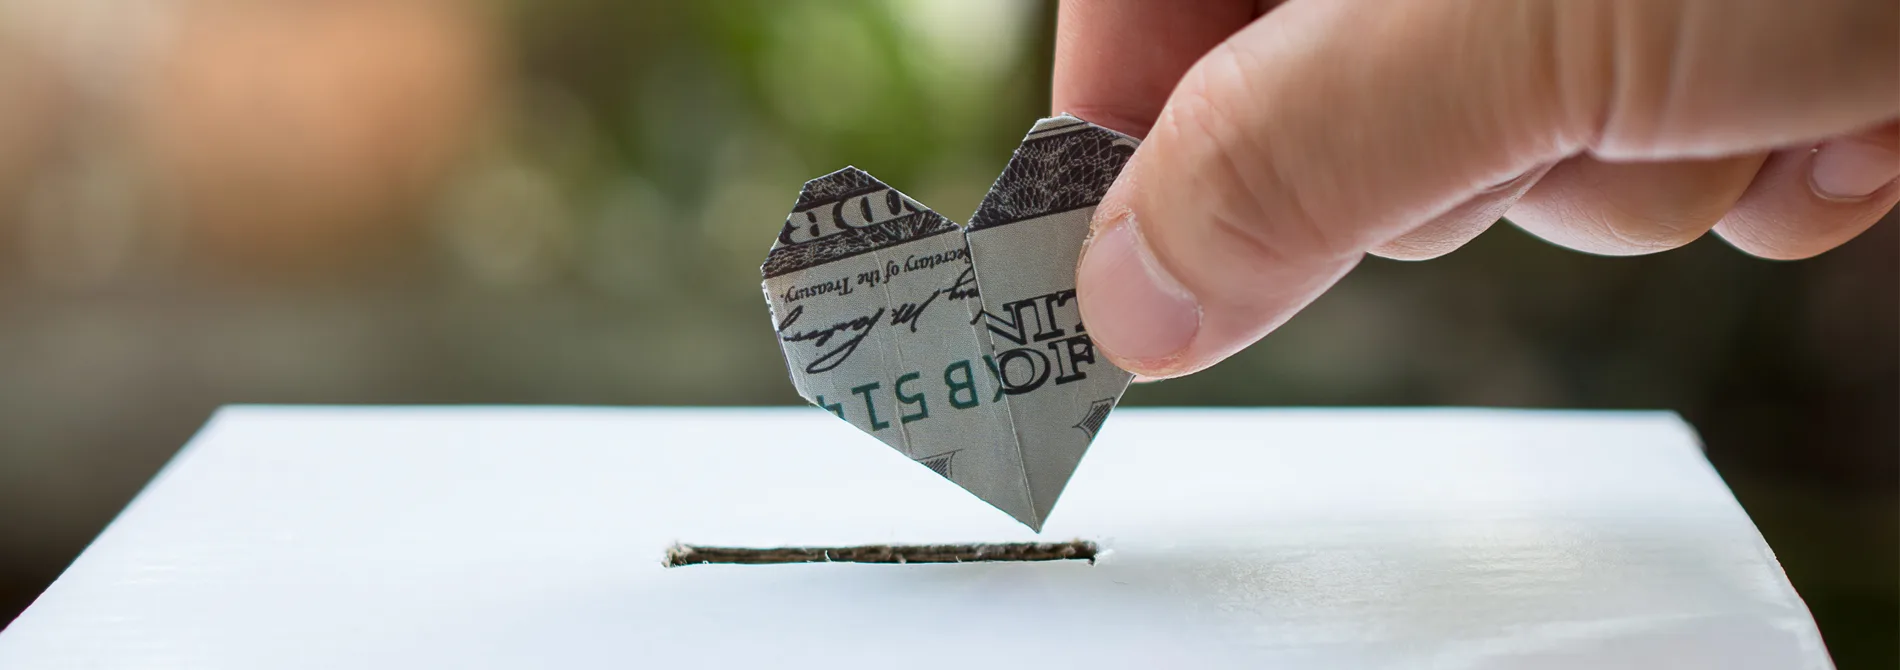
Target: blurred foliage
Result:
[565, 201]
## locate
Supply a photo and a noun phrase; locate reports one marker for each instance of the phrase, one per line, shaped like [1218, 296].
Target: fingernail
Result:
[1852, 169]
[1132, 308]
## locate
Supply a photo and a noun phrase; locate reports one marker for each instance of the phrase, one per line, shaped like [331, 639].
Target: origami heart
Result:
[962, 348]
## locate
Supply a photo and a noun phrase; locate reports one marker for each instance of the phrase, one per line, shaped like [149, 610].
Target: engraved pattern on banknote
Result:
[1057, 169]
[1097, 413]
[836, 186]
[844, 214]
[940, 463]
[784, 260]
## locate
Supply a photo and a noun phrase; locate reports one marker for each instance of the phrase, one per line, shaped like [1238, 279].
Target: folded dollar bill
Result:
[960, 347]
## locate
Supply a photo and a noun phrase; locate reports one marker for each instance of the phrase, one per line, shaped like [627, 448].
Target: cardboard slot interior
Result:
[1075, 550]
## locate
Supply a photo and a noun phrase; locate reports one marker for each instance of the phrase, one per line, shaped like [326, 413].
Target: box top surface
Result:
[532, 537]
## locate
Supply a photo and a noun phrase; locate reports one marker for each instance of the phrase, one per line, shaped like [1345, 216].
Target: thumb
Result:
[1326, 129]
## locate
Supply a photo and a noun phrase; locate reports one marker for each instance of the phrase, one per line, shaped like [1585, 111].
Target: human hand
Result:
[1283, 143]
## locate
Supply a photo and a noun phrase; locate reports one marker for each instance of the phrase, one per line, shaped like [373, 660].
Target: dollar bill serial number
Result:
[1046, 345]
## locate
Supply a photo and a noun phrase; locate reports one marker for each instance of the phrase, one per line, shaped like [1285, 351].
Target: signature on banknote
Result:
[905, 315]
[821, 337]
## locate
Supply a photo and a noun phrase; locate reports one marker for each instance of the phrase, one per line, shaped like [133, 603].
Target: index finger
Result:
[1118, 60]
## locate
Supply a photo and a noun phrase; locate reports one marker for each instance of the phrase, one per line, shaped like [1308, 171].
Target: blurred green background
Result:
[566, 201]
